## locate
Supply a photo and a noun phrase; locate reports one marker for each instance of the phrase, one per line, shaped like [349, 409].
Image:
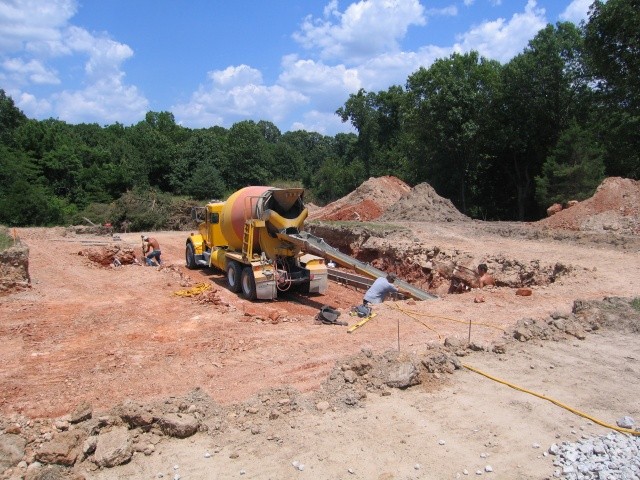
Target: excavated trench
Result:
[431, 268]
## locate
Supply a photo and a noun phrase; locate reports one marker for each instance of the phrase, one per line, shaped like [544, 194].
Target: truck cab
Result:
[200, 246]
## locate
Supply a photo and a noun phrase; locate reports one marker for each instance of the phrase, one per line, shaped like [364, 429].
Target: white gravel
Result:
[615, 456]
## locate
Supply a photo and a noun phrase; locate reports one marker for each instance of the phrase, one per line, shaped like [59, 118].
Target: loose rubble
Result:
[613, 456]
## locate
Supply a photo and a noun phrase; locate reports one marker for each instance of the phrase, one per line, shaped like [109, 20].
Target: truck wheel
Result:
[248, 284]
[190, 257]
[234, 272]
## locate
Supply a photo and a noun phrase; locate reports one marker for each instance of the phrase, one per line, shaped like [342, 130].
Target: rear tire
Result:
[234, 273]
[248, 284]
[190, 257]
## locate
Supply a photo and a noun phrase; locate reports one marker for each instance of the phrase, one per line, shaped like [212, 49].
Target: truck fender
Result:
[197, 241]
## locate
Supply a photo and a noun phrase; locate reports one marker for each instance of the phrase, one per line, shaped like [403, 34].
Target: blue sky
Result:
[215, 62]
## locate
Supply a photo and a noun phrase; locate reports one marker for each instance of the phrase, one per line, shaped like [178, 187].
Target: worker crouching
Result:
[379, 290]
[151, 250]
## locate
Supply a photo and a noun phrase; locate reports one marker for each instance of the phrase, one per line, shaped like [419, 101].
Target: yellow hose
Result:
[515, 387]
[556, 402]
[193, 291]
[412, 314]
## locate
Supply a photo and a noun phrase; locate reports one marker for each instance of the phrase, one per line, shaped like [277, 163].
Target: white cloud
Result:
[365, 29]
[501, 39]
[35, 36]
[315, 79]
[577, 11]
[360, 46]
[105, 101]
[321, 87]
[231, 76]
[38, 107]
[383, 71]
[32, 71]
[234, 94]
[450, 11]
[105, 55]
[326, 123]
[34, 25]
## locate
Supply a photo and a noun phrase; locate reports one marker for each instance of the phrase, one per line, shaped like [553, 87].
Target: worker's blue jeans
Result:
[153, 255]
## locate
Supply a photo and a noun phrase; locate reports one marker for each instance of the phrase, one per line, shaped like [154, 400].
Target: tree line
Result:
[502, 141]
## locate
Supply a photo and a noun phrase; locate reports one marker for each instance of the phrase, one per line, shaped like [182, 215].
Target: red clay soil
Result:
[84, 332]
[363, 211]
[365, 203]
[615, 206]
[390, 199]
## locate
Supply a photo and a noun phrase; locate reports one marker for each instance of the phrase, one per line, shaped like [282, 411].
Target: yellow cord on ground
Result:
[193, 291]
[412, 313]
[556, 402]
[511, 385]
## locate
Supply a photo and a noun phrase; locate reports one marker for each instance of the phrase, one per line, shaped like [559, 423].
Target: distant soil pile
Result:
[423, 204]
[614, 207]
[365, 203]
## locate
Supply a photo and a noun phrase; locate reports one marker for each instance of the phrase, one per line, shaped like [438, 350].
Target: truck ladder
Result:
[247, 240]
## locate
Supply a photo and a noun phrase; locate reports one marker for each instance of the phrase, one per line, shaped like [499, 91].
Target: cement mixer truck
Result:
[252, 238]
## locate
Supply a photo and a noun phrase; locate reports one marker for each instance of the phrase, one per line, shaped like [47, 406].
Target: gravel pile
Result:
[615, 456]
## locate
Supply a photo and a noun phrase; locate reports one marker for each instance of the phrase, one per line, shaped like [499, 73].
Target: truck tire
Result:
[248, 284]
[234, 274]
[190, 257]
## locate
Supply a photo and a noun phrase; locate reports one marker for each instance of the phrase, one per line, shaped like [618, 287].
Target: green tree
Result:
[341, 170]
[10, 118]
[542, 92]
[360, 110]
[377, 118]
[248, 156]
[312, 148]
[155, 153]
[334, 179]
[574, 169]
[206, 183]
[204, 151]
[270, 131]
[447, 121]
[289, 162]
[165, 123]
[24, 200]
[612, 40]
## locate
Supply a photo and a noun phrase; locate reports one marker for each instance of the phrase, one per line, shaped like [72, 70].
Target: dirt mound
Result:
[112, 255]
[614, 207]
[312, 207]
[365, 203]
[14, 268]
[423, 204]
